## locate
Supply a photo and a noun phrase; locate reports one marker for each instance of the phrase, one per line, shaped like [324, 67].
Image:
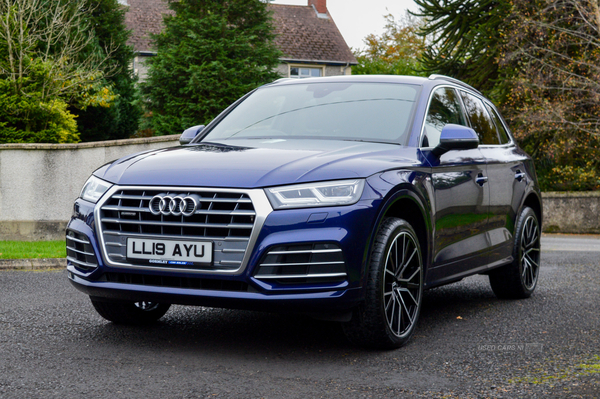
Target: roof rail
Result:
[283, 80]
[453, 80]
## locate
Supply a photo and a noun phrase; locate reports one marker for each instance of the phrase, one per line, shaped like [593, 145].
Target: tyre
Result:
[142, 312]
[519, 279]
[388, 317]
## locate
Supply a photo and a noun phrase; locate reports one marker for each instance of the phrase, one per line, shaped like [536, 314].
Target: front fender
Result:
[406, 194]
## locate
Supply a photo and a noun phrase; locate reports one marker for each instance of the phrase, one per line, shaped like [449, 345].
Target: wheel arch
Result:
[405, 203]
[533, 201]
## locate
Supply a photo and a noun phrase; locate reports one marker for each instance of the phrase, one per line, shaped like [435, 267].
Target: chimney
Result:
[319, 5]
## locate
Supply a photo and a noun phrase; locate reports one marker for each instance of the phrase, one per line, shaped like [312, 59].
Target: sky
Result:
[357, 18]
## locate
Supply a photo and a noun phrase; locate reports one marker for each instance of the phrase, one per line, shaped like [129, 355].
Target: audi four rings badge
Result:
[175, 206]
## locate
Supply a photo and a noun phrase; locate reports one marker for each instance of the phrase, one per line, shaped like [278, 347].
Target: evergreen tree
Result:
[210, 53]
[107, 17]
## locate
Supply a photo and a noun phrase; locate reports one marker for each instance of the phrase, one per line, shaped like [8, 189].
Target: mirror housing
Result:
[456, 137]
[190, 133]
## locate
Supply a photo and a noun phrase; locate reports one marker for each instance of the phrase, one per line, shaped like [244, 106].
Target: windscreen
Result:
[377, 112]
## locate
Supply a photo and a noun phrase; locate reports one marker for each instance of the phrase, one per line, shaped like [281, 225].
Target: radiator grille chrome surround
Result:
[303, 263]
[80, 252]
[229, 218]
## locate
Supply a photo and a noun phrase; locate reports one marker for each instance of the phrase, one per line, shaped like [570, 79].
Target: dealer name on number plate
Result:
[189, 251]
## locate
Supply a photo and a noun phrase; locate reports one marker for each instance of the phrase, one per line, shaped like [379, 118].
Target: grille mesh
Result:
[224, 218]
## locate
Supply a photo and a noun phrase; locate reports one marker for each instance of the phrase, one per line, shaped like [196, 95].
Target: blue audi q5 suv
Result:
[341, 197]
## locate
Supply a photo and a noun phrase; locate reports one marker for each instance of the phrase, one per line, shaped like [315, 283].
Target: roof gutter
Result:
[341, 63]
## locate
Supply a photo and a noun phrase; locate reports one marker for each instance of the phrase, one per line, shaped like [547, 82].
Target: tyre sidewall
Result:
[518, 252]
[390, 228]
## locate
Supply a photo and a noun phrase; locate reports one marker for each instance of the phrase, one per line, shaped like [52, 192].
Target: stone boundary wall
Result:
[39, 182]
[572, 212]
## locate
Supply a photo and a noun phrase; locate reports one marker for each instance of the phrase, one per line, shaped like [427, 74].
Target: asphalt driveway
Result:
[468, 344]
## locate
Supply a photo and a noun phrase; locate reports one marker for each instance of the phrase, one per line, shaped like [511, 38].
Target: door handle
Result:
[519, 175]
[481, 179]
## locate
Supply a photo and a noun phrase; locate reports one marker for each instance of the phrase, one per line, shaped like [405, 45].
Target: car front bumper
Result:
[347, 229]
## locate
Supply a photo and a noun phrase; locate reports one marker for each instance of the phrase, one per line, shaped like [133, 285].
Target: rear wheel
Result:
[519, 279]
[389, 316]
[142, 312]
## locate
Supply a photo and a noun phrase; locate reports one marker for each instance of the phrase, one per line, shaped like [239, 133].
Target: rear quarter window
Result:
[502, 133]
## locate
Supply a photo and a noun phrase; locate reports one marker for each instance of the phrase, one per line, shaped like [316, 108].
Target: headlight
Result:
[340, 192]
[94, 188]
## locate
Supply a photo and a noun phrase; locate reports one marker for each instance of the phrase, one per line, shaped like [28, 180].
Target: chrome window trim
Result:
[261, 204]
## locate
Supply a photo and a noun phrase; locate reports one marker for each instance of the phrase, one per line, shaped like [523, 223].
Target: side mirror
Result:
[456, 137]
[189, 134]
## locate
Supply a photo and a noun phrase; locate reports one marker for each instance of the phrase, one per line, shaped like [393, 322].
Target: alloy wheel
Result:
[530, 252]
[402, 284]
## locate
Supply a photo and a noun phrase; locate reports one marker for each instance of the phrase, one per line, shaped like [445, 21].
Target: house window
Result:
[305, 72]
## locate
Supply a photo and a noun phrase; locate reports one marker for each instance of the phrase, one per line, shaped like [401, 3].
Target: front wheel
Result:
[142, 312]
[518, 279]
[389, 316]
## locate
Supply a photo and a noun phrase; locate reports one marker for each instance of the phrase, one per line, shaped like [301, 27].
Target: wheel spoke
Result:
[535, 234]
[531, 276]
[531, 261]
[403, 248]
[524, 272]
[410, 319]
[526, 253]
[409, 294]
[394, 314]
[405, 265]
[401, 267]
[395, 263]
[399, 315]
[411, 277]
[387, 305]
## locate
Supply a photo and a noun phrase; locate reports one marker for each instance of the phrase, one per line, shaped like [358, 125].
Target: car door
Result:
[506, 176]
[460, 191]
[508, 181]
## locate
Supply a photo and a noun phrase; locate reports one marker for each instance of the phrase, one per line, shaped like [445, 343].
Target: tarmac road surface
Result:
[468, 345]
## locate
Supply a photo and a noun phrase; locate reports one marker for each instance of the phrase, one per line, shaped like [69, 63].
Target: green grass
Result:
[31, 250]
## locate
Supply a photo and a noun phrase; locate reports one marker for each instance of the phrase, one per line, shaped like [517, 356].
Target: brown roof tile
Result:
[142, 18]
[301, 34]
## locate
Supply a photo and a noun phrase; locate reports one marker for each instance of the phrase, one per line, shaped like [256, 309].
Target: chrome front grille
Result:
[226, 218]
[303, 263]
[80, 252]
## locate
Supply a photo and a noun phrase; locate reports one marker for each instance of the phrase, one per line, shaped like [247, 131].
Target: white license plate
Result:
[169, 251]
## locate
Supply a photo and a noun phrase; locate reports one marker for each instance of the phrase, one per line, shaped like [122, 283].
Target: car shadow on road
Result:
[191, 329]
